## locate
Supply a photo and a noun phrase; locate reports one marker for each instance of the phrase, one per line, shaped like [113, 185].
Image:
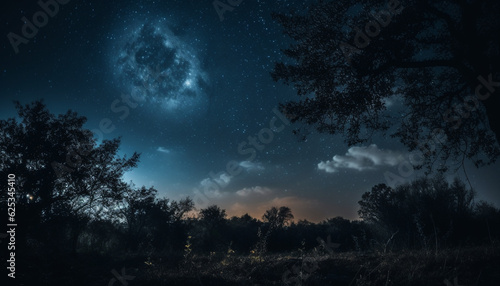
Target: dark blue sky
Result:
[192, 94]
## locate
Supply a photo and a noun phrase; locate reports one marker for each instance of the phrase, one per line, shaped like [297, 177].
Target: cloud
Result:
[245, 192]
[223, 179]
[211, 188]
[163, 150]
[251, 166]
[362, 158]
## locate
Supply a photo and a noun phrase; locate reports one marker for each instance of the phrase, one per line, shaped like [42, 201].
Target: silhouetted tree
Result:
[153, 222]
[213, 227]
[244, 231]
[273, 237]
[213, 216]
[138, 211]
[439, 59]
[278, 218]
[62, 173]
[426, 212]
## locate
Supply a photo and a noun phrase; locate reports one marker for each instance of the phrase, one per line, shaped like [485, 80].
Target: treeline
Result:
[428, 214]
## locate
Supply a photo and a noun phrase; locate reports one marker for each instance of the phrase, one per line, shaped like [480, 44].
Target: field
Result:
[468, 266]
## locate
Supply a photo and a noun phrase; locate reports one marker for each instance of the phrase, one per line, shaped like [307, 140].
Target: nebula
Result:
[158, 65]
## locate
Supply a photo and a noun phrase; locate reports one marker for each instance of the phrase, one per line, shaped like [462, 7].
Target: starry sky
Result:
[190, 89]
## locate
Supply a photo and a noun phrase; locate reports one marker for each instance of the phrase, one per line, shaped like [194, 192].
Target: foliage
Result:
[33, 149]
[423, 209]
[278, 218]
[434, 61]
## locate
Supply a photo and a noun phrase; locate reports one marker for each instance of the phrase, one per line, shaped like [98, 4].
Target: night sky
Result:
[193, 94]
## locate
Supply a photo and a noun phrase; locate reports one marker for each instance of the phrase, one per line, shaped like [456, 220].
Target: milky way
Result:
[158, 67]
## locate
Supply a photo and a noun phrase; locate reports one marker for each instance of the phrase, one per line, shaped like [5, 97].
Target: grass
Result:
[469, 266]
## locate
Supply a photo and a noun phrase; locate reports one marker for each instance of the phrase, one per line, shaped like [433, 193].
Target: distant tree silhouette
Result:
[244, 231]
[153, 222]
[213, 215]
[213, 227]
[278, 218]
[139, 213]
[427, 212]
[439, 59]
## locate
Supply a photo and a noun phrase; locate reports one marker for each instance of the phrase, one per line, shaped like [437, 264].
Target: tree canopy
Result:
[64, 178]
[59, 164]
[426, 207]
[351, 60]
[278, 217]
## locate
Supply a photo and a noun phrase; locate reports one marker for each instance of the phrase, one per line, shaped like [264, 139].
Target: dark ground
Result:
[469, 266]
